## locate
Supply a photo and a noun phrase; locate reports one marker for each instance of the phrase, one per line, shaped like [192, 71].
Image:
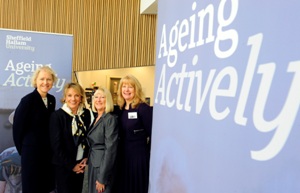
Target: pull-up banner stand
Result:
[227, 96]
[21, 53]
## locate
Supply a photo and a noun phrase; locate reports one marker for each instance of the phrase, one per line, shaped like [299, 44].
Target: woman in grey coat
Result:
[102, 139]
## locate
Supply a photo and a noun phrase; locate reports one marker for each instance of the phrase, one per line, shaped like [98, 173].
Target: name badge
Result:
[132, 115]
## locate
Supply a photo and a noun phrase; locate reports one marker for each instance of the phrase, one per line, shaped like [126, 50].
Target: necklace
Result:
[45, 101]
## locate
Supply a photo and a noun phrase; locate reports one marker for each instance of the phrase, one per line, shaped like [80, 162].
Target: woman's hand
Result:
[79, 168]
[83, 162]
[100, 187]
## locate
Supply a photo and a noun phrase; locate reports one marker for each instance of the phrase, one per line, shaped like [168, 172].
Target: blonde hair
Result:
[77, 88]
[109, 106]
[139, 96]
[37, 72]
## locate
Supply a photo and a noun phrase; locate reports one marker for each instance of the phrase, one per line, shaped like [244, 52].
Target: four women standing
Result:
[75, 140]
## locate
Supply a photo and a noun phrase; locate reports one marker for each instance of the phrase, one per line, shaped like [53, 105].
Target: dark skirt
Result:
[133, 166]
[37, 170]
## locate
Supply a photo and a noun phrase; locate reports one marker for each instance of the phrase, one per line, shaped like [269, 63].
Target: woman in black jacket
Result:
[68, 129]
[31, 133]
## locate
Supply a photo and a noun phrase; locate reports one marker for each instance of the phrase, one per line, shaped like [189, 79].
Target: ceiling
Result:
[148, 6]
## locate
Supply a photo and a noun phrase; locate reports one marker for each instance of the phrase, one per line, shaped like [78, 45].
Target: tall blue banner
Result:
[21, 53]
[227, 96]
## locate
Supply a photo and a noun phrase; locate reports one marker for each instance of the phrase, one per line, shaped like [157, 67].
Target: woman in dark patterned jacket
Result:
[68, 129]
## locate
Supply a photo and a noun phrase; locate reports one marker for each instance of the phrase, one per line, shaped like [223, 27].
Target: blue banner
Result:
[227, 96]
[21, 53]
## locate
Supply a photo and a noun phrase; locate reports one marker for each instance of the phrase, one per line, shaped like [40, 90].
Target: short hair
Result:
[37, 72]
[78, 88]
[139, 96]
[109, 106]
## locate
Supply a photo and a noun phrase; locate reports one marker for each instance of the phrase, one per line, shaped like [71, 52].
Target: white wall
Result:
[146, 76]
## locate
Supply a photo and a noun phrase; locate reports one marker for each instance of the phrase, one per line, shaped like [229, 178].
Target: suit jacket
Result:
[31, 121]
[103, 142]
[61, 137]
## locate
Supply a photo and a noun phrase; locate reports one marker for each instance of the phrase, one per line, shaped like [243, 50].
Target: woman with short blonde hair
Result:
[103, 141]
[109, 101]
[68, 130]
[31, 133]
[77, 88]
[46, 69]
